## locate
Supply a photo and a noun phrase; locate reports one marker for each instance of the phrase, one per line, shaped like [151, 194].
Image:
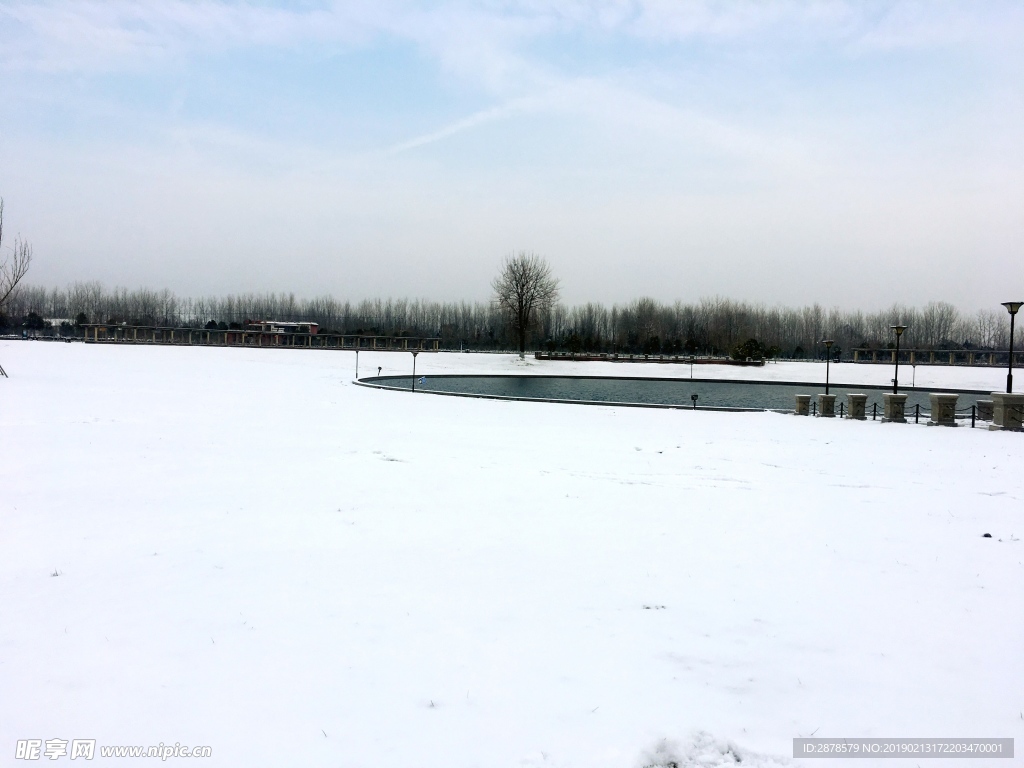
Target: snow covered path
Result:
[256, 555]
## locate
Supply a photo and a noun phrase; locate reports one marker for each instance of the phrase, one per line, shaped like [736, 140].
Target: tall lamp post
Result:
[828, 358]
[414, 370]
[1011, 307]
[899, 329]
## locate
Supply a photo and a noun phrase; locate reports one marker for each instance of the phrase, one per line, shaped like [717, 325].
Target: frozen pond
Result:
[671, 392]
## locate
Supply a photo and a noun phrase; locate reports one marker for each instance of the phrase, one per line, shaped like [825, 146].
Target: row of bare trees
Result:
[718, 324]
[644, 325]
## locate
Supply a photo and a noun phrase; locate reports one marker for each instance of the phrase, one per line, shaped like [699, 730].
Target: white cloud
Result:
[620, 172]
[101, 36]
[478, 39]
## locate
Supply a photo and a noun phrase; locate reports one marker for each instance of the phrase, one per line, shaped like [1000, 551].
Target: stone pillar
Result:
[856, 406]
[894, 407]
[803, 405]
[985, 410]
[912, 358]
[826, 405]
[874, 356]
[943, 410]
[931, 357]
[952, 358]
[856, 355]
[1007, 410]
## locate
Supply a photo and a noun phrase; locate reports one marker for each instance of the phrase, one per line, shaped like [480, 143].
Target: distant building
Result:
[280, 327]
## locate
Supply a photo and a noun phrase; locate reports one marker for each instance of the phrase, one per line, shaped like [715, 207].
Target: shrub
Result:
[751, 348]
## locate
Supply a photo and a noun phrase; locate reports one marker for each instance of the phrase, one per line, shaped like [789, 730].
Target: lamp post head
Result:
[898, 328]
[828, 343]
[1013, 306]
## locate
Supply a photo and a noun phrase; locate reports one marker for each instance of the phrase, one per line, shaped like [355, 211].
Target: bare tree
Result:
[523, 290]
[12, 269]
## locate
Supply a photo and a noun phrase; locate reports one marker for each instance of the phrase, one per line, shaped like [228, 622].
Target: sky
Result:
[854, 154]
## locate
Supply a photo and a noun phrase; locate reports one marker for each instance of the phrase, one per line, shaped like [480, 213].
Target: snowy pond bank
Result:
[242, 549]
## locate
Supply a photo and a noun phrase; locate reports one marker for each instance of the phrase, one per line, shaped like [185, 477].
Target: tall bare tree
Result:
[523, 289]
[13, 268]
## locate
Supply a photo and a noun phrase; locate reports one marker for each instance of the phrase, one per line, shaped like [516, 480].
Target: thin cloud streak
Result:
[476, 120]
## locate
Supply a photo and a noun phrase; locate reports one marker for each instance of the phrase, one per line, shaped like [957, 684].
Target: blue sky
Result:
[849, 153]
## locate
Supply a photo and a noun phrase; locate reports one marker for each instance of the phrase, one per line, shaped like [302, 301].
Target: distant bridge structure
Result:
[264, 334]
[1000, 357]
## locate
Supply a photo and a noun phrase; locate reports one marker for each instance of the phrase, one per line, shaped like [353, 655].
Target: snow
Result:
[253, 553]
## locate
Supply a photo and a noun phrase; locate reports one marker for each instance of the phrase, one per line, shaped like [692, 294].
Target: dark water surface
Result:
[710, 393]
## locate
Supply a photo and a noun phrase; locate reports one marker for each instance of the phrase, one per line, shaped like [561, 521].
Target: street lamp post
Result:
[414, 370]
[1011, 307]
[828, 358]
[357, 363]
[899, 329]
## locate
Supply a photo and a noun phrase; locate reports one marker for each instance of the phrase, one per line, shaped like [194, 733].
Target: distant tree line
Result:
[709, 326]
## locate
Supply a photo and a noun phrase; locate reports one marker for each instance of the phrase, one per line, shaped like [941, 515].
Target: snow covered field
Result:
[254, 554]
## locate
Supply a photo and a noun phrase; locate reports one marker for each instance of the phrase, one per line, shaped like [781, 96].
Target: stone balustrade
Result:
[826, 405]
[943, 409]
[1007, 410]
[856, 406]
[894, 407]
